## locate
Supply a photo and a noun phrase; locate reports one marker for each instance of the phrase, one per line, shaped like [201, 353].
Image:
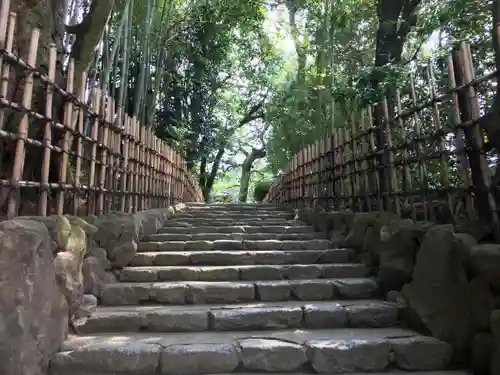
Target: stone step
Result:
[206, 292]
[165, 236]
[234, 206]
[242, 273]
[249, 229]
[253, 316]
[319, 244]
[229, 222]
[334, 351]
[241, 257]
[235, 215]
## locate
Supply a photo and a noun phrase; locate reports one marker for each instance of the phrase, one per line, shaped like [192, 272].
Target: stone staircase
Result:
[244, 288]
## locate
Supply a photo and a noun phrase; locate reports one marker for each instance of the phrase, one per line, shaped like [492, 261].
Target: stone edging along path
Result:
[54, 269]
[449, 284]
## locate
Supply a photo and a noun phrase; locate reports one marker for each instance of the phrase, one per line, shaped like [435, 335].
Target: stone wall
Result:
[449, 283]
[52, 270]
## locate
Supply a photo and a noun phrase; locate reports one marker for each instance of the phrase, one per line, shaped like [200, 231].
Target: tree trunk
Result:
[396, 18]
[246, 171]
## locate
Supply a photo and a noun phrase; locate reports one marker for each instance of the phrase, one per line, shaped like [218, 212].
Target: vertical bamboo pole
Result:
[47, 133]
[22, 130]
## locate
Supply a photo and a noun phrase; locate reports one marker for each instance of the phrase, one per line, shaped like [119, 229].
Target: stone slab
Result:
[245, 272]
[204, 245]
[326, 351]
[248, 229]
[246, 316]
[257, 236]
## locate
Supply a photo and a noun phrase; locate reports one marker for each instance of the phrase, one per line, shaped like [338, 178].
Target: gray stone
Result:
[485, 261]
[171, 259]
[302, 271]
[124, 294]
[340, 356]
[436, 297]
[395, 297]
[273, 290]
[100, 254]
[219, 292]
[271, 355]
[118, 234]
[87, 307]
[218, 274]
[199, 359]
[331, 315]
[166, 246]
[421, 353]
[372, 314]
[178, 273]
[255, 318]
[312, 290]
[138, 274]
[146, 246]
[143, 259]
[169, 293]
[355, 288]
[202, 245]
[112, 322]
[399, 239]
[315, 245]
[33, 311]
[261, 272]
[221, 258]
[336, 256]
[481, 302]
[134, 358]
[333, 271]
[177, 321]
[263, 245]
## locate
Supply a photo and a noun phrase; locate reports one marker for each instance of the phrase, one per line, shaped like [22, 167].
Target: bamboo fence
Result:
[89, 158]
[426, 152]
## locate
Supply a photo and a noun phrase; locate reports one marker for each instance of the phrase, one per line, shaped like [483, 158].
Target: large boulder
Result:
[399, 242]
[33, 310]
[485, 261]
[335, 225]
[365, 236]
[72, 242]
[95, 276]
[436, 296]
[341, 225]
[118, 233]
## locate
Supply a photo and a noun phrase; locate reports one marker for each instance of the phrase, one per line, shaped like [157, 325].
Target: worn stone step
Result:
[226, 222]
[235, 215]
[162, 237]
[250, 229]
[203, 292]
[250, 220]
[250, 316]
[234, 206]
[319, 244]
[241, 257]
[332, 351]
[244, 273]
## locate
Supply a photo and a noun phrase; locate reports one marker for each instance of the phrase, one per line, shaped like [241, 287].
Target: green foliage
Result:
[260, 190]
[209, 64]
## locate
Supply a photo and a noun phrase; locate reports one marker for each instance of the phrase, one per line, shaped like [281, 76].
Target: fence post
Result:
[47, 134]
[459, 141]
[485, 202]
